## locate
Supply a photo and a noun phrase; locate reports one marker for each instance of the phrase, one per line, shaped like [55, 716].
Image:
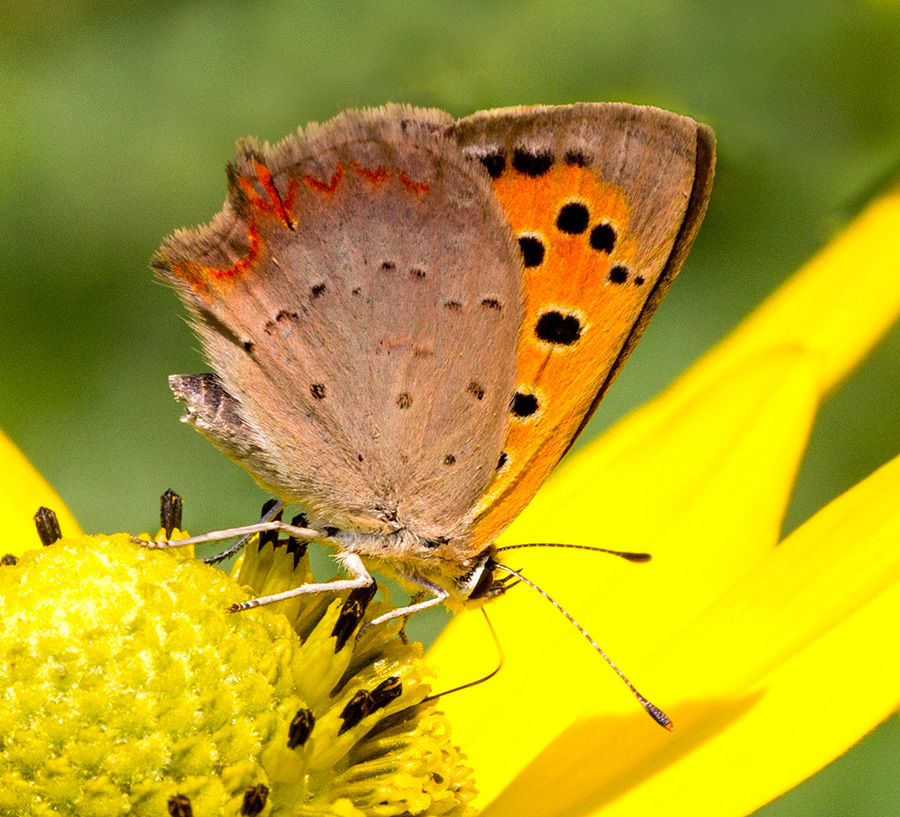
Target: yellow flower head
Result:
[129, 689]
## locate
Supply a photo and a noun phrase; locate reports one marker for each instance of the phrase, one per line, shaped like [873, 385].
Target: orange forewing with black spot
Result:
[605, 202]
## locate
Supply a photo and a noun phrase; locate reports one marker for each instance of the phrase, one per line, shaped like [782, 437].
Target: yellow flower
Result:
[128, 689]
[770, 657]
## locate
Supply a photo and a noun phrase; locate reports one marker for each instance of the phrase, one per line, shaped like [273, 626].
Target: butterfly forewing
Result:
[604, 200]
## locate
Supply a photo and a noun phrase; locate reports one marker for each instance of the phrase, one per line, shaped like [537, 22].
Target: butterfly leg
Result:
[438, 593]
[418, 597]
[271, 510]
[228, 533]
[361, 578]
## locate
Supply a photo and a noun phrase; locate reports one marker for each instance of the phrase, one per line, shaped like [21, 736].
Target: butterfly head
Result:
[442, 565]
[480, 584]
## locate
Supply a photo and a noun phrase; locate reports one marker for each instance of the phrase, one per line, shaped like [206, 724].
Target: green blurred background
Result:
[116, 119]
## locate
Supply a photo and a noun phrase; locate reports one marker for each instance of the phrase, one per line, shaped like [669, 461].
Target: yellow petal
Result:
[706, 499]
[783, 674]
[22, 491]
[650, 469]
[839, 305]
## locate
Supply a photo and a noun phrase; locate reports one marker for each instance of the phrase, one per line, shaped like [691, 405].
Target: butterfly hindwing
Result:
[360, 299]
[605, 200]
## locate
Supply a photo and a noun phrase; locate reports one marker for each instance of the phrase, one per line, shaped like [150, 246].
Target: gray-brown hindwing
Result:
[359, 298]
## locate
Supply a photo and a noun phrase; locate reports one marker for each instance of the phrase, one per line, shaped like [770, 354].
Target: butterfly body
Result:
[411, 318]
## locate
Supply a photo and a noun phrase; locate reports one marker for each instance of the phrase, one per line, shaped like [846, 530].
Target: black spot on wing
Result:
[523, 404]
[476, 390]
[532, 250]
[618, 274]
[494, 163]
[576, 158]
[603, 238]
[283, 317]
[573, 218]
[557, 327]
[532, 163]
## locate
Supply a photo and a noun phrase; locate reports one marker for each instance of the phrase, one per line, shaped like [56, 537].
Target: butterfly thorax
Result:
[451, 563]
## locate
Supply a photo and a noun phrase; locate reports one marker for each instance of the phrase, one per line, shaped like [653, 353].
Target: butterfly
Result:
[411, 318]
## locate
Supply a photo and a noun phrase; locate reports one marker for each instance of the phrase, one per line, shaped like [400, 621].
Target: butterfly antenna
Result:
[655, 712]
[273, 510]
[628, 555]
[479, 680]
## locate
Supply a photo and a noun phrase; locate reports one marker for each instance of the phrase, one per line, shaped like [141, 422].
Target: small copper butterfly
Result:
[411, 318]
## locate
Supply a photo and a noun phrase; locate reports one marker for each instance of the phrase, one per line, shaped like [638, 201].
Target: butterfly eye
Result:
[484, 586]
